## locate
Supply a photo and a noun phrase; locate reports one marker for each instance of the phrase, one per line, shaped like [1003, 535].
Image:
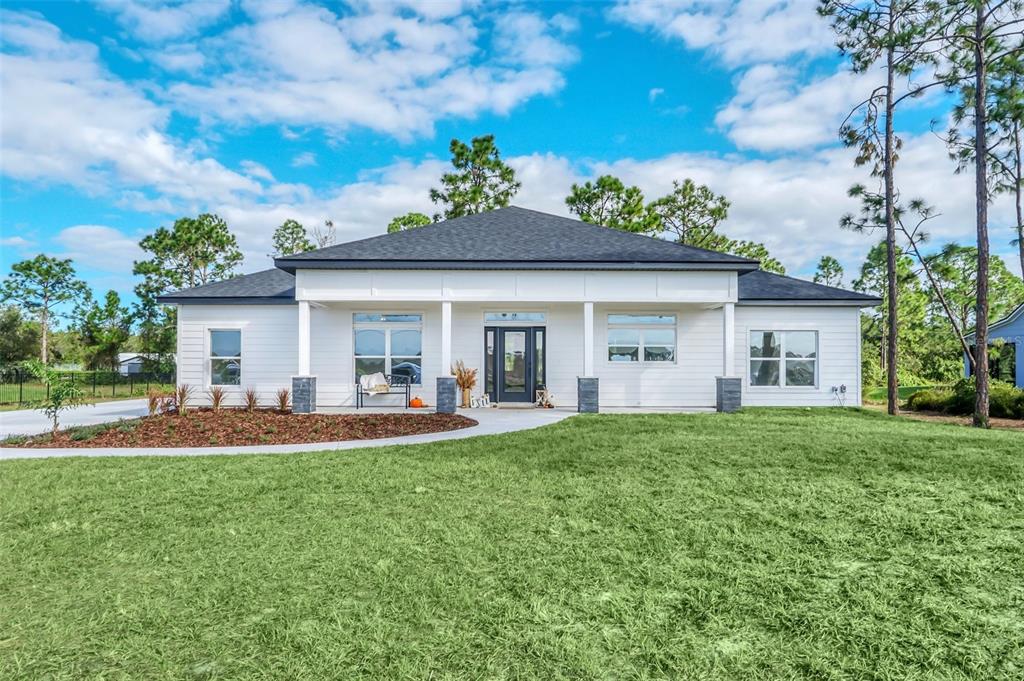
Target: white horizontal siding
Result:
[269, 347]
[514, 286]
[270, 352]
[333, 363]
[563, 340]
[838, 348]
[687, 382]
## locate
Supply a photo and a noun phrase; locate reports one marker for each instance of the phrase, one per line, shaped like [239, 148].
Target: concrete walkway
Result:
[33, 422]
[490, 422]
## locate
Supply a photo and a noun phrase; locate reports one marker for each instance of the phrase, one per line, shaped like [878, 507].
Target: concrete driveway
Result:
[33, 422]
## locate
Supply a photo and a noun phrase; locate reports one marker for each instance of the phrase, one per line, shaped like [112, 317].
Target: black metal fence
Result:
[20, 386]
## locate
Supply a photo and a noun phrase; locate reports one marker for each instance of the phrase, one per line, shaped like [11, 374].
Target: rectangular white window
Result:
[225, 356]
[785, 359]
[389, 344]
[641, 337]
[531, 317]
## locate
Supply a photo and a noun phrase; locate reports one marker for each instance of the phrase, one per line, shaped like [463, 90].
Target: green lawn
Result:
[880, 393]
[764, 545]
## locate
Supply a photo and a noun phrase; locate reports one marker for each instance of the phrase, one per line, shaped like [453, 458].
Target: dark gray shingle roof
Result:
[267, 287]
[514, 238]
[767, 286]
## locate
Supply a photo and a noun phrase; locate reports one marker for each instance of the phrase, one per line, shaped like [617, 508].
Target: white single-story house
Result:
[596, 316]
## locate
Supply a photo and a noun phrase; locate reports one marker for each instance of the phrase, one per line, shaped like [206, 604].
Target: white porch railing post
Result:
[303, 338]
[729, 339]
[588, 339]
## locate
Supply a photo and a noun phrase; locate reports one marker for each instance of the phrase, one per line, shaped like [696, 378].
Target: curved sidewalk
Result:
[490, 422]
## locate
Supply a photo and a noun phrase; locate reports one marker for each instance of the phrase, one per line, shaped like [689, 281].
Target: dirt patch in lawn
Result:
[938, 417]
[228, 427]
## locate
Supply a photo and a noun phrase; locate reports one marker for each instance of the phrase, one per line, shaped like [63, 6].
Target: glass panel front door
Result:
[514, 370]
[514, 362]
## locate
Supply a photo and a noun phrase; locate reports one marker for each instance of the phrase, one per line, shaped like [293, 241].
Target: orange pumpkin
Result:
[416, 403]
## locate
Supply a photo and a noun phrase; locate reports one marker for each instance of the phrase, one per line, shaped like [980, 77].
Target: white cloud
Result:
[68, 120]
[18, 243]
[793, 205]
[178, 58]
[654, 93]
[739, 32]
[100, 247]
[303, 160]
[773, 111]
[391, 68]
[159, 20]
[257, 170]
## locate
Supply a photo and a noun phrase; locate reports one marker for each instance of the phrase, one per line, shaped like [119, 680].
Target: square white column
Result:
[446, 338]
[729, 339]
[303, 338]
[588, 339]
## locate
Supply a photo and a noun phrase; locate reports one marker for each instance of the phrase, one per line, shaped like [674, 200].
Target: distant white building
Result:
[132, 362]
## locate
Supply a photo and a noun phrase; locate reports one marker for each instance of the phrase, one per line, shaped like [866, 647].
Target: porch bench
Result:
[397, 385]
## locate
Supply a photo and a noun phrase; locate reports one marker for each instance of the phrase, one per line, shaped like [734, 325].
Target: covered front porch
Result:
[587, 355]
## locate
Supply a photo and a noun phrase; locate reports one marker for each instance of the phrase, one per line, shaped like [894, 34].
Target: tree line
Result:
[935, 293]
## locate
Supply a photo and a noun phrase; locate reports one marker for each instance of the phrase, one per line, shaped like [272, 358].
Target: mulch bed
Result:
[228, 427]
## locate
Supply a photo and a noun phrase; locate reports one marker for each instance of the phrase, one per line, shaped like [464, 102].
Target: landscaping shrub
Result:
[929, 399]
[154, 399]
[216, 397]
[283, 398]
[1005, 400]
[182, 396]
[252, 399]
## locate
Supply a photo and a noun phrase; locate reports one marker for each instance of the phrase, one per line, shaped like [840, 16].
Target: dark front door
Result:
[515, 358]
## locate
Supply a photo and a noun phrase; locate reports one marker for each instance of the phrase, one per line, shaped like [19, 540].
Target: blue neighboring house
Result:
[1009, 364]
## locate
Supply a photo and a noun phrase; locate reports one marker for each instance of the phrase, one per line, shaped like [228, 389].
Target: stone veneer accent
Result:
[728, 393]
[586, 395]
[303, 394]
[446, 395]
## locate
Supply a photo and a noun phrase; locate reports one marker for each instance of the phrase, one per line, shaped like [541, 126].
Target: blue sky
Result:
[120, 117]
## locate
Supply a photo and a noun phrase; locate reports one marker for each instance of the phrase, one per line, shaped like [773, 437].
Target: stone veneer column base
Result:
[446, 395]
[586, 395]
[303, 394]
[728, 394]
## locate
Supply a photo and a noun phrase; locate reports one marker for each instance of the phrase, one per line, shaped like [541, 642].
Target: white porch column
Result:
[303, 338]
[729, 339]
[446, 338]
[588, 339]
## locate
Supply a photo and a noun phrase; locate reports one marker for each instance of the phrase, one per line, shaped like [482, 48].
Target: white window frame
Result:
[609, 325]
[387, 328]
[208, 354]
[782, 359]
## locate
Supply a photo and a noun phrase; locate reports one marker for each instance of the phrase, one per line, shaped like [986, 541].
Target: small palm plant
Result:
[283, 398]
[216, 397]
[252, 400]
[181, 397]
[154, 401]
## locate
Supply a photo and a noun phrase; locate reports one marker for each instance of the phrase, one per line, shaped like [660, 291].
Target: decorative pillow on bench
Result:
[374, 383]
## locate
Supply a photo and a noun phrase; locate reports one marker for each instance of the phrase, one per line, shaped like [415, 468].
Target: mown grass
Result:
[769, 544]
[879, 394]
